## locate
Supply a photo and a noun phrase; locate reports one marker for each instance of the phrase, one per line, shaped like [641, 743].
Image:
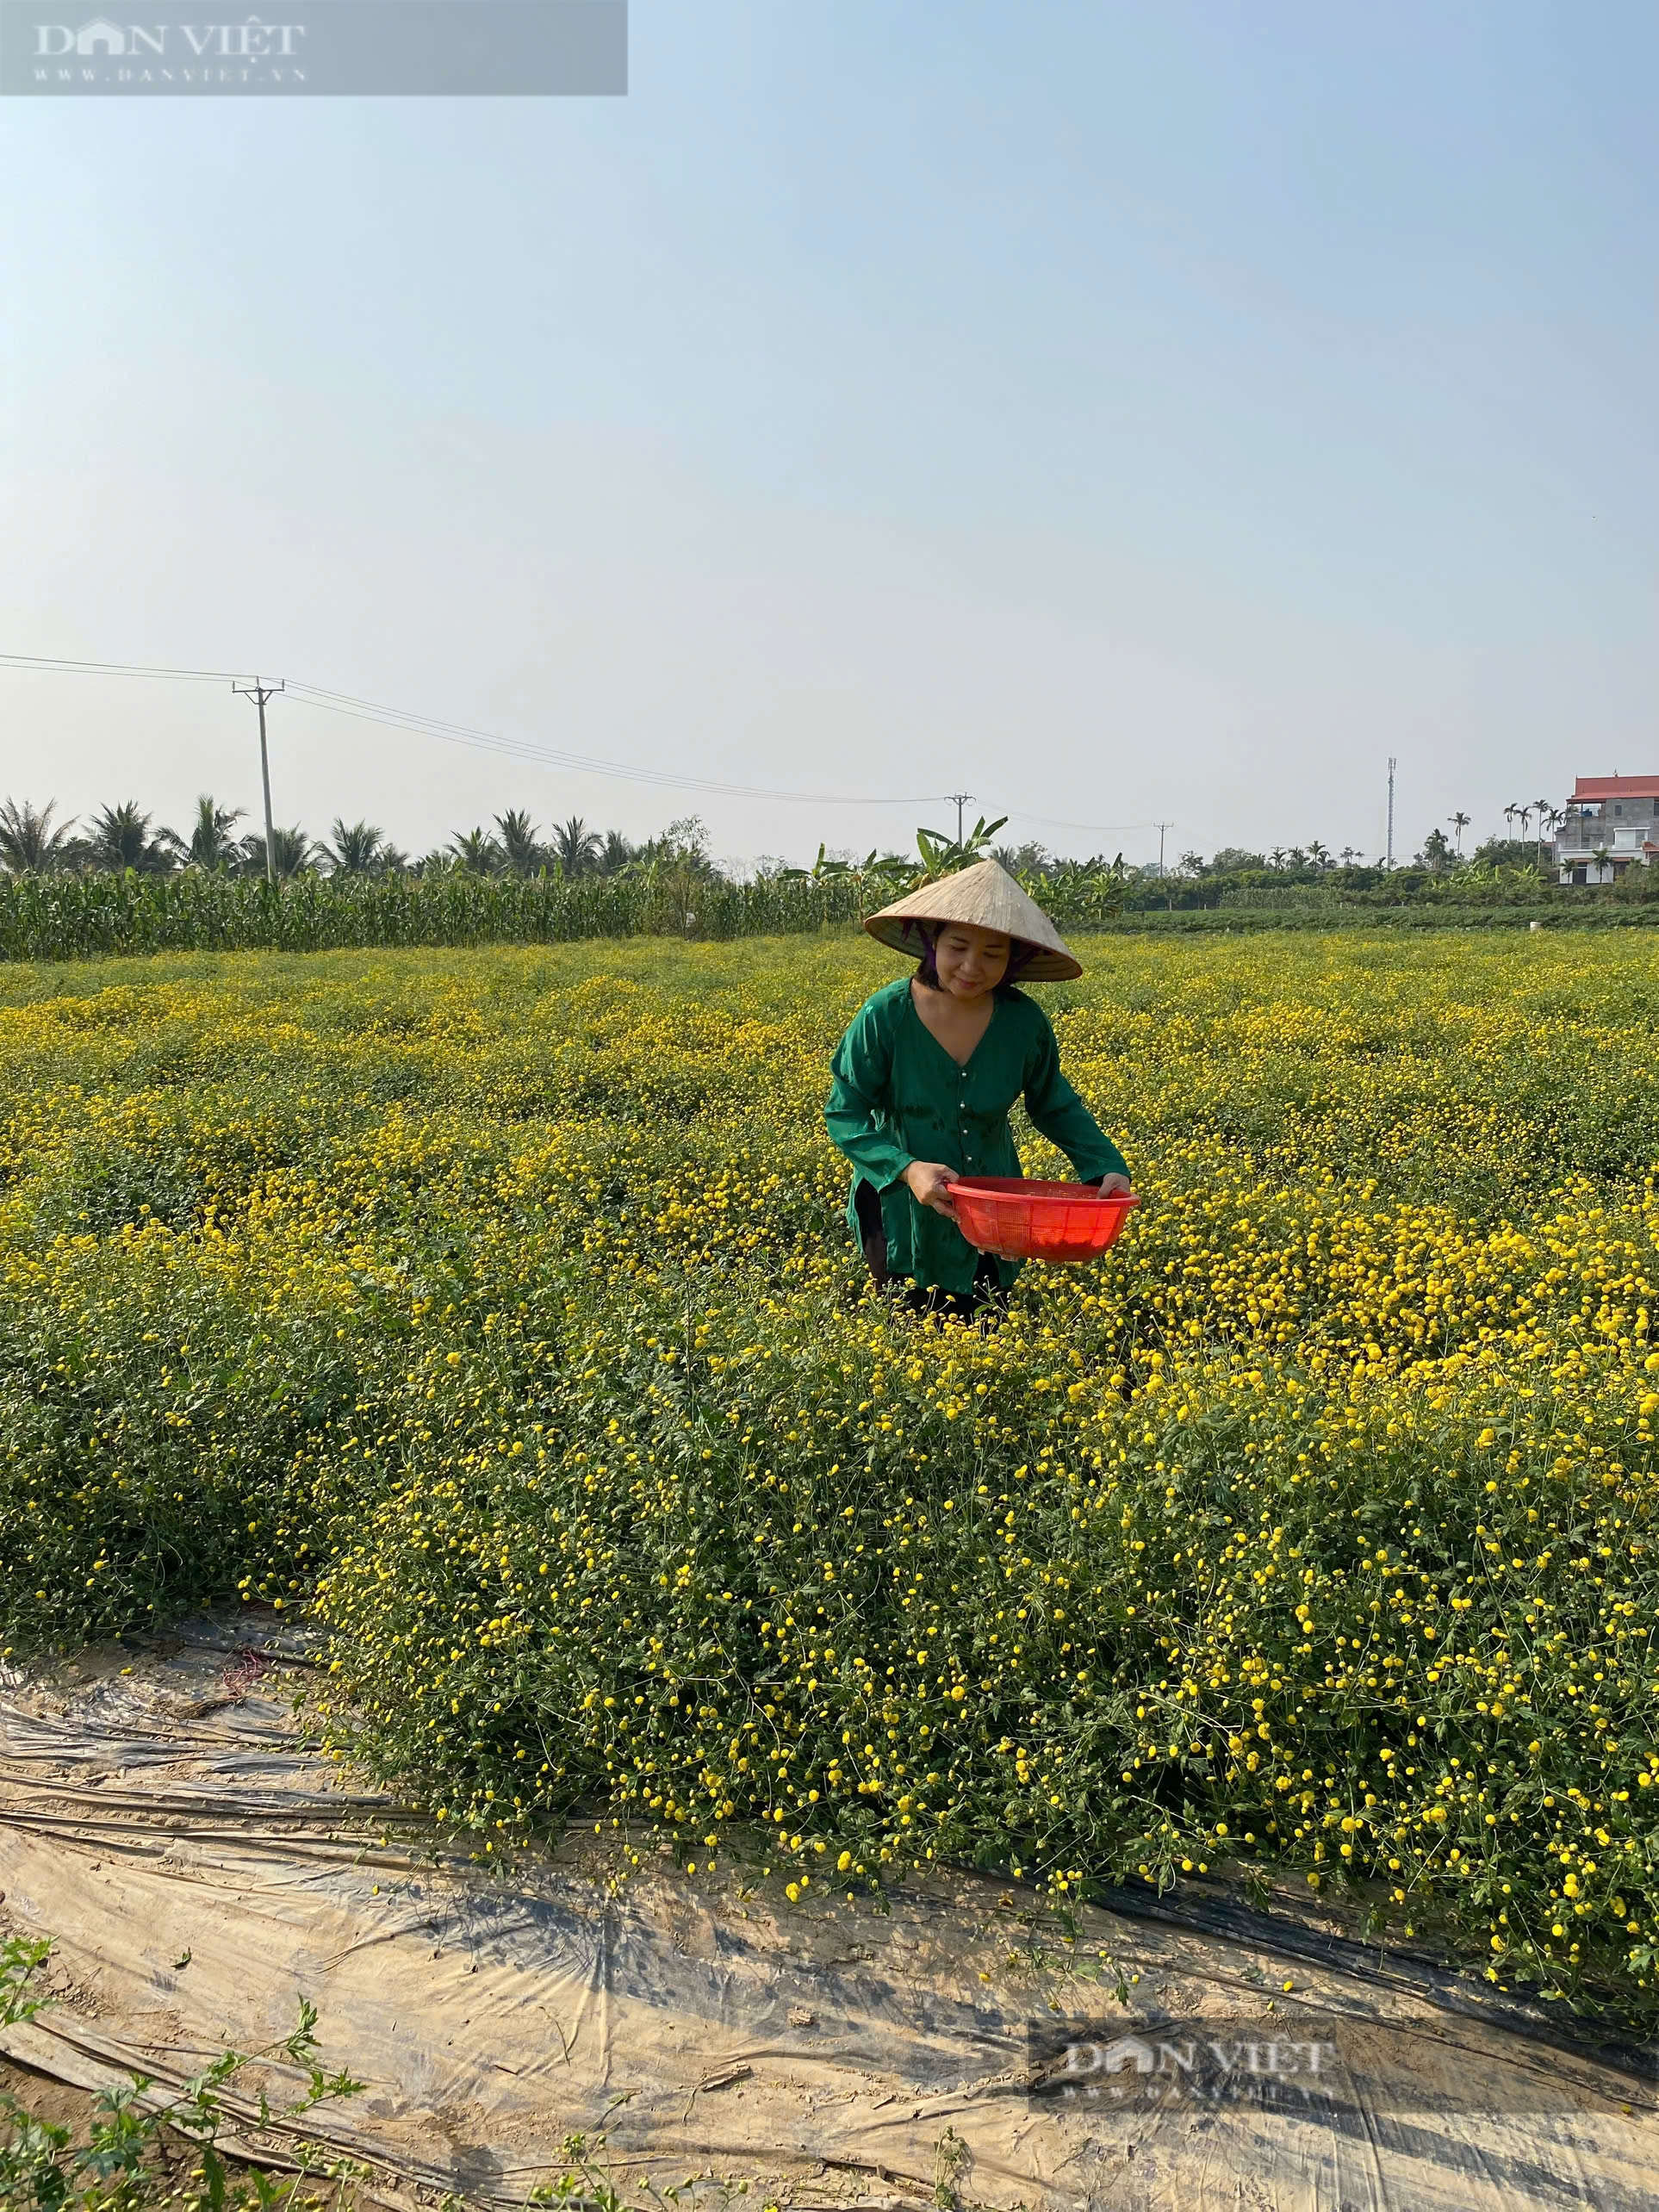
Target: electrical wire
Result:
[354, 708]
[461, 733]
[1094, 828]
[52, 665]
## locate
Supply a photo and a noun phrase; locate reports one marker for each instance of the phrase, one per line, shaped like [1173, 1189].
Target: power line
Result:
[54, 666]
[461, 733]
[1095, 828]
[351, 706]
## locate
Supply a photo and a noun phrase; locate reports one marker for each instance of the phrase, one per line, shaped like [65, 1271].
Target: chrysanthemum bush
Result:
[500, 1305]
[966, 1597]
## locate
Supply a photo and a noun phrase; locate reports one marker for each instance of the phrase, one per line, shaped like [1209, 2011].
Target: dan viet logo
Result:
[1342, 2068]
[1176, 2065]
[250, 40]
[353, 47]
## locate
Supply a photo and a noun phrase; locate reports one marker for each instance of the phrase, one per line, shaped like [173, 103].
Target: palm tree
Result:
[520, 849]
[578, 846]
[120, 838]
[1510, 814]
[359, 848]
[291, 852]
[1459, 824]
[1548, 822]
[1318, 856]
[617, 854]
[210, 844]
[477, 852]
[28, 843]
[1347, 856]
[1276, 858]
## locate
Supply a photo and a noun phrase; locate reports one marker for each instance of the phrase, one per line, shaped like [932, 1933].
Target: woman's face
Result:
[969, 961]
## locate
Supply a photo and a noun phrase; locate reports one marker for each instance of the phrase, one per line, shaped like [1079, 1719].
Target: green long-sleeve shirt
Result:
[897, 1096]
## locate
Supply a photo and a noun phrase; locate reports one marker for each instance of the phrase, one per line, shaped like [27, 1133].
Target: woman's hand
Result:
[1113, 1186]
[928, 1181]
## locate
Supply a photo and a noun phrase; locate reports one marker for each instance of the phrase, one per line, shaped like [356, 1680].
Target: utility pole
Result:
[1161, 827]
[1390, 861]
[260, 694]
[961, 799]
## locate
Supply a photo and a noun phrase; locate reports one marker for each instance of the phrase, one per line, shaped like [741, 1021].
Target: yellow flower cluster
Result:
[499, 1303]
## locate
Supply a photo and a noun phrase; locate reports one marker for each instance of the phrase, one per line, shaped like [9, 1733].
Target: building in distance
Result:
[1611, 824]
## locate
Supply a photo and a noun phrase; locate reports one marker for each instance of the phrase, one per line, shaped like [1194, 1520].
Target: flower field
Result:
[496, 1303]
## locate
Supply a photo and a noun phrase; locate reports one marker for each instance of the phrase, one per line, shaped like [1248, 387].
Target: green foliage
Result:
[70, 918]
[1082, 894]
[943, 855]
[521, 852]
[587, 2181]
[505, 886]
[878, 876]
[120, 837]
[356, 848]
[210, 844]
[1518, 854]
[579, 848]
[130, 2160]
[29, 843]
[20, 1963]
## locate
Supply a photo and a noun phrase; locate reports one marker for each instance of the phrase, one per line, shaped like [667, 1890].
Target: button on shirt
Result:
[896, 1095]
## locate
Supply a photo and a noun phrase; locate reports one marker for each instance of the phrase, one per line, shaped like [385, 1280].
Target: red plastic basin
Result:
[1055, 1222]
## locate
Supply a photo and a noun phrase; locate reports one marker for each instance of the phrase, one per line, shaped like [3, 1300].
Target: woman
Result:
[927, 1070]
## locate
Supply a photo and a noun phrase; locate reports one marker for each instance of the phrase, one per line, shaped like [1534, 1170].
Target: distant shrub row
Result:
[1212, 920]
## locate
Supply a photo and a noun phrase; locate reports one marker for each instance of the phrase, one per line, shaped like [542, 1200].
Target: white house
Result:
[1610, 822]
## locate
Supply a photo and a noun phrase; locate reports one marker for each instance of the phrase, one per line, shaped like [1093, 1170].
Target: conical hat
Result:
[987, 896]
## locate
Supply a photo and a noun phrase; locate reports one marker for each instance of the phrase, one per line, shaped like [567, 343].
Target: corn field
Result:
[74, 916]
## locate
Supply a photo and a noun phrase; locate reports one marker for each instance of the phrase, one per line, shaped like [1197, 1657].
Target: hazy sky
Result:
[1122, 412]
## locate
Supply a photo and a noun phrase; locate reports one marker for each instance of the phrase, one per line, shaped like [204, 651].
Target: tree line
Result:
[123, 839]
[117, 839]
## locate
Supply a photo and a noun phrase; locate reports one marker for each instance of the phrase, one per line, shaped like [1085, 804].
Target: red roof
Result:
[1615, 788]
